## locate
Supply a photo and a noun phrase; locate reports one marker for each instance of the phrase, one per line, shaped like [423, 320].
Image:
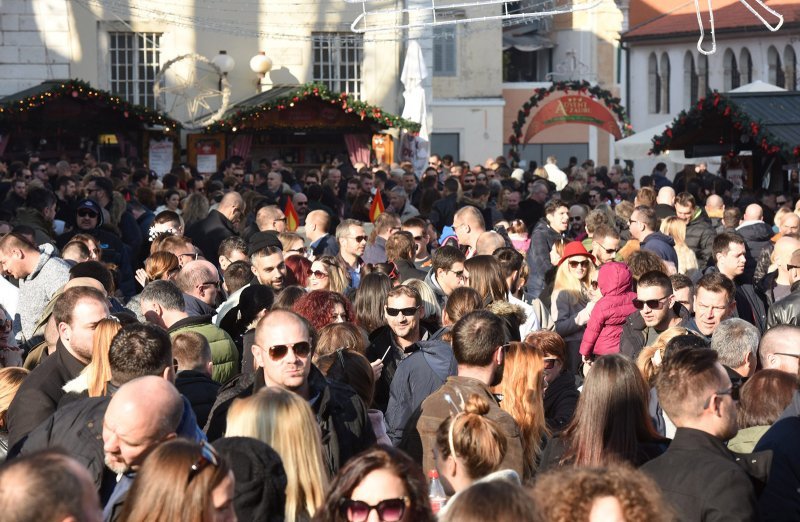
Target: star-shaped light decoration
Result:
[194, 91]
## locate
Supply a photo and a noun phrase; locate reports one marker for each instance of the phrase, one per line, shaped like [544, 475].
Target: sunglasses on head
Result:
[208, 456]
[389, 510]
[279, 351]
[85, 212]
[576, 264]
[407, 312]
[652, 304]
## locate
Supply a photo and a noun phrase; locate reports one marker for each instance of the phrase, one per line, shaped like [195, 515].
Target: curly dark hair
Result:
[569, 493]
[317, 307]
[357, 469]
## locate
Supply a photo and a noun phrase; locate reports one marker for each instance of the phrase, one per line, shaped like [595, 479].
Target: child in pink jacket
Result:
[604, 328]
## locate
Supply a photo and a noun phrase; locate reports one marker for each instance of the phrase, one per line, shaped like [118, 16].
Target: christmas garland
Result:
[715, 103]
[583, 87]
[80, 90]
[309, 91]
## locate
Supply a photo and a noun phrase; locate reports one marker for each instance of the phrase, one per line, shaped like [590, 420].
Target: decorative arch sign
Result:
[573, 109]
[579, 102]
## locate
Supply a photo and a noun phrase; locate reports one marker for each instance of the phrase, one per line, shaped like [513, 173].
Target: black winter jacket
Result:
[340, 412]
[785, 311]
[417, 376]
[543, 238]
[208, 233]
[39, 394]
[560, 400]
[703, 480]
[200, 389]
[700, 236]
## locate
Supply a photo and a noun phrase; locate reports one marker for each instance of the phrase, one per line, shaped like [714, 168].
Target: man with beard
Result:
[403, 313]
[544, 236]
[352, 244]
[478, 345]
[269, 268]
[698, 475]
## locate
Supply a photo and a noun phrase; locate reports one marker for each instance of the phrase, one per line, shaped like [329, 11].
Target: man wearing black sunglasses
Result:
[657, 311]
[283, 349]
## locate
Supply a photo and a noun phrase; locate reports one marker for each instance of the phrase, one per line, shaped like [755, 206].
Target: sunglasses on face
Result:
[576, 218]
[550, 363]
[652, 304]
[733, 391]
[5, 326]
[317, 273]
[792, 267]
[359, 239]
[576, 264]
[279, 351]
[407, 312]
[609, 251]
[208, 456]
[459, 274]
[781, 201]
[87, 213]
[389, 510]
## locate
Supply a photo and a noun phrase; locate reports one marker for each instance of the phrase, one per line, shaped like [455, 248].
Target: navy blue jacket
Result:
[662, 245]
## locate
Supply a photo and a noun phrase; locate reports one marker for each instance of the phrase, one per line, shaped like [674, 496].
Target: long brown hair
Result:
[167, 488]
[522, 389]
[161, 264]
[98, 372]
[486, 277]
[10, 380]
[611, 418]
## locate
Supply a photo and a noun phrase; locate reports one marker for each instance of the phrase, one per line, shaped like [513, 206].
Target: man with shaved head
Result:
[756, 234]
[778, 284]
[271, 218]
[665, 202]
[715, 208]
[488, 242]
[221, 223]
[468, 224]
[199, 282]
[283, 349]
[779, 348]
[318, 225]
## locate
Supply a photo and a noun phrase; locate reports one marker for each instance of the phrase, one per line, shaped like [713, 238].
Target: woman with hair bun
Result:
[470, 448]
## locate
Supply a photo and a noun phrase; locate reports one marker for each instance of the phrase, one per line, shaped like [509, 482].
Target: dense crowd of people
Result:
[361, 343]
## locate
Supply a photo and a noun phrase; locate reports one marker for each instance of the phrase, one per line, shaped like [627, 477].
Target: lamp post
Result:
[260, 64]
[225, 64]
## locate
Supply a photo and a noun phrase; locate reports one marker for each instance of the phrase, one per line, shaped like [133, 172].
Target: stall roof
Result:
[246, 114]
[39, 96]
[778, 111]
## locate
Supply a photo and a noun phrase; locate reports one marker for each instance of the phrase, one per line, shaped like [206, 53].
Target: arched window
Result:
[790, 68]
[690, 80]
[732, 78]
[664, 71]
[653, 85]
[702, 76]
[745, 66]
[776, 76]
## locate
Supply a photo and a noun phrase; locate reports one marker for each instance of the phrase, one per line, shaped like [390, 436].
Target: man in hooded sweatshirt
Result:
[643, 225]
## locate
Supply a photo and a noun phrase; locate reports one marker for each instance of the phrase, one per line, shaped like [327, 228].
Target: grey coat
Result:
[36, 290]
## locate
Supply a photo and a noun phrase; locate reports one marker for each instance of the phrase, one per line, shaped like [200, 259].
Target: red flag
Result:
[376, 209]
[292, 219]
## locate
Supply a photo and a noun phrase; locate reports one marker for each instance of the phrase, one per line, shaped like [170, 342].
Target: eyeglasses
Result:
[407, 312]
[652, 304]
[319, 274]
[279, 351]
[85, 212]
[359, 239]
[459, 274]
[212, 283]
[733, 391]
[576, 264]
[283, 219]
[389, 510]
[208, 456]
[550, 363]
[632, 221]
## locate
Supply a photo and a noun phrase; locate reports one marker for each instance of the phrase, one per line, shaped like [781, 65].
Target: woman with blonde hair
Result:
[327, 273]
[431, 311]
[284, 420]
[573, 298]
[95, 376]
[522, 389]
[650, 357]
[10, 380]
[676, 229]
[195, 208]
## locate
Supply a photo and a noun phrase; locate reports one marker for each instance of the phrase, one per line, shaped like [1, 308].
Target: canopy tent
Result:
[638, 146]
[758, 86]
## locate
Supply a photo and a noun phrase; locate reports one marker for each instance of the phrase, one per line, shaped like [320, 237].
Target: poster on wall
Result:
[160, 156]
[206, 151]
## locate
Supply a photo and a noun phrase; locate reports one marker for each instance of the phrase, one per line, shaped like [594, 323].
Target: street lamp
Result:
[225, 64]
[260, 64]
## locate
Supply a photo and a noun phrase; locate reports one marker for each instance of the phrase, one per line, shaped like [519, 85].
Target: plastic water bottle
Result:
[436, 492]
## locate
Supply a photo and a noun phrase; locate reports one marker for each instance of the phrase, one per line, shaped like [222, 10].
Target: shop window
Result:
[337, 61]
[134, 62]
[445, 52]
